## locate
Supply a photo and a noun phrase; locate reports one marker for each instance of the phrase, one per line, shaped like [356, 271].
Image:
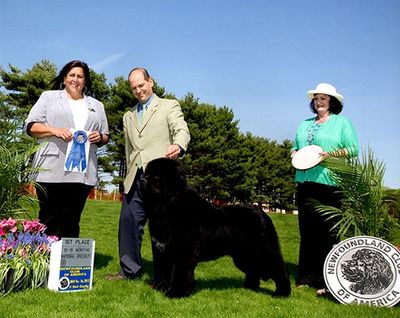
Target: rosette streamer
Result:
[77, 156]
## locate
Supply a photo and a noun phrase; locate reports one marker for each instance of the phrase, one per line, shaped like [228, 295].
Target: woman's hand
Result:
[40, 130]
[63, 133]
[95, 137]
[337, 153]
[324, 154]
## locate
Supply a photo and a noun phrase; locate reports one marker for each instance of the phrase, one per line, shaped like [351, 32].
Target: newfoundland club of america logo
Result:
[364, 270]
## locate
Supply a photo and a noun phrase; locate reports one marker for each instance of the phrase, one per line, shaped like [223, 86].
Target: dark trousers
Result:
[61, 206]
[132, 220]
[316, 237]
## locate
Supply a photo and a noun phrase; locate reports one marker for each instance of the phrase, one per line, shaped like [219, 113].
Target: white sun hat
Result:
[324, 88]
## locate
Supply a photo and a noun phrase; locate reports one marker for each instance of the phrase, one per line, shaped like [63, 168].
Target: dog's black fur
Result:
[186, 229]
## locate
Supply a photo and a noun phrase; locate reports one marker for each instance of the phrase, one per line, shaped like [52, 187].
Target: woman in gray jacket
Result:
[70, 125]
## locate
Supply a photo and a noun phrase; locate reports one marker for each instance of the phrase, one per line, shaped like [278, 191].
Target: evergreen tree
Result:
[214, 160]
[22, 91]
[8, 126]
[271, 167]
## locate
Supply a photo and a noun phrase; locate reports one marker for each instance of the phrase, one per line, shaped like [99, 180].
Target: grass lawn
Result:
[218, 290]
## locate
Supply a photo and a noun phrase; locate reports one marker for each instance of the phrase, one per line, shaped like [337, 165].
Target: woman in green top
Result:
[336, 136]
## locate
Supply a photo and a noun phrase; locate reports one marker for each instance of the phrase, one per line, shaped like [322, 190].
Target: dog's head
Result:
[367, 268]
[164, 178]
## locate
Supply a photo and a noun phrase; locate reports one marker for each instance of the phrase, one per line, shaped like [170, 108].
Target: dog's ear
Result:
[166, 176]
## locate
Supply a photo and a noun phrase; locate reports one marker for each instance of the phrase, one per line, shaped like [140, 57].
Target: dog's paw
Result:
[159, 285]
[282, 292]
[177, 293]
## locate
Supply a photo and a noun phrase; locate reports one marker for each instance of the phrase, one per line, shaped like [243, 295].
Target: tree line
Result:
[222, 163]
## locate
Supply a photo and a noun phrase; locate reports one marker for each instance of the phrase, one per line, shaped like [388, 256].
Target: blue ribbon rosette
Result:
[76, 159]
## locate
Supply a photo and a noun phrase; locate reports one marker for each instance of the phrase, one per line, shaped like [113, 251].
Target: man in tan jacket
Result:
[153, 128]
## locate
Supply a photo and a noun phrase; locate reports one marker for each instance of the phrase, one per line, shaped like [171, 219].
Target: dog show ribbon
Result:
[76, 157]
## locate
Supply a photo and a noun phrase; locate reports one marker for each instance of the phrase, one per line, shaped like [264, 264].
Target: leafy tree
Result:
[100, 87]
[273, 172]
[214, 160]
[226, 165]
[393, 199]
[120, 99]
[101, 91]
[23, 89]
[286, 176]
[8, 126]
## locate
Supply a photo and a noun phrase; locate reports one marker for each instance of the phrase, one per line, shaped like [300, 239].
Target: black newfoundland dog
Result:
[186, 229]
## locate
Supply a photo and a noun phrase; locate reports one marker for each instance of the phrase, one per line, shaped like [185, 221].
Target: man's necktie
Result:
[140, 112]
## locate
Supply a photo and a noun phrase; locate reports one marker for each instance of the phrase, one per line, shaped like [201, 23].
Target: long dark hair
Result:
[59, 79]
[335, 106]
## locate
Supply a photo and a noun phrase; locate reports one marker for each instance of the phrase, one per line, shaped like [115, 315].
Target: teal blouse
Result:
[336, 133]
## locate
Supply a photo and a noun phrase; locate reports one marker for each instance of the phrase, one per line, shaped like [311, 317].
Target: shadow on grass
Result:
[101, 260]
[292, 268]
[223, 283]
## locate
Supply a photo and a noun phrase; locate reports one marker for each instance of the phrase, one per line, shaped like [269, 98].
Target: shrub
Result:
[15, 173]
[365, 205]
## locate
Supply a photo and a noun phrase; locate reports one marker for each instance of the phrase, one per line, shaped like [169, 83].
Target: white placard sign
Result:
[71, 264]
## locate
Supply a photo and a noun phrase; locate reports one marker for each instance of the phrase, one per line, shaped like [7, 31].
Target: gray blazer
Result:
[162, 125]
[52, 109]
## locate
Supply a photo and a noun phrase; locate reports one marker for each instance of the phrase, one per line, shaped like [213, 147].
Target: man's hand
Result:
[173, 152]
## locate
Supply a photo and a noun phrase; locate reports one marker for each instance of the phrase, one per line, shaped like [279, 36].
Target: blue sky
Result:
[256, 57]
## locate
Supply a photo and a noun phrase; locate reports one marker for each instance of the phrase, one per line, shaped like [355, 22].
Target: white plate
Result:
[307, 157]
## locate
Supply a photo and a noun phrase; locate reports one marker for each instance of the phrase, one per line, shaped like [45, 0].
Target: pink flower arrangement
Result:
[33, 226]
[24, 254]
[8, 226]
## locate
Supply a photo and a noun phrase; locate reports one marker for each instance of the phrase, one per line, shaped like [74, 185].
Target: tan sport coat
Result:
[163, 124]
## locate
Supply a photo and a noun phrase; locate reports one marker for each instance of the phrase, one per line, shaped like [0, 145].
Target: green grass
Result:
[218, 290]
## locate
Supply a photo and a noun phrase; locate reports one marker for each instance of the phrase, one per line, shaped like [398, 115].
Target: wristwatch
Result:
[100, 143]
[181, 151]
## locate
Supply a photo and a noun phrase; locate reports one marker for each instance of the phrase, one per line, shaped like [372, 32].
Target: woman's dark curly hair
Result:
[59, 79]
[335, 106]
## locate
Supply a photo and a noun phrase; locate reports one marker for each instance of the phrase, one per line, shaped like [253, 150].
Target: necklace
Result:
[312, 131]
